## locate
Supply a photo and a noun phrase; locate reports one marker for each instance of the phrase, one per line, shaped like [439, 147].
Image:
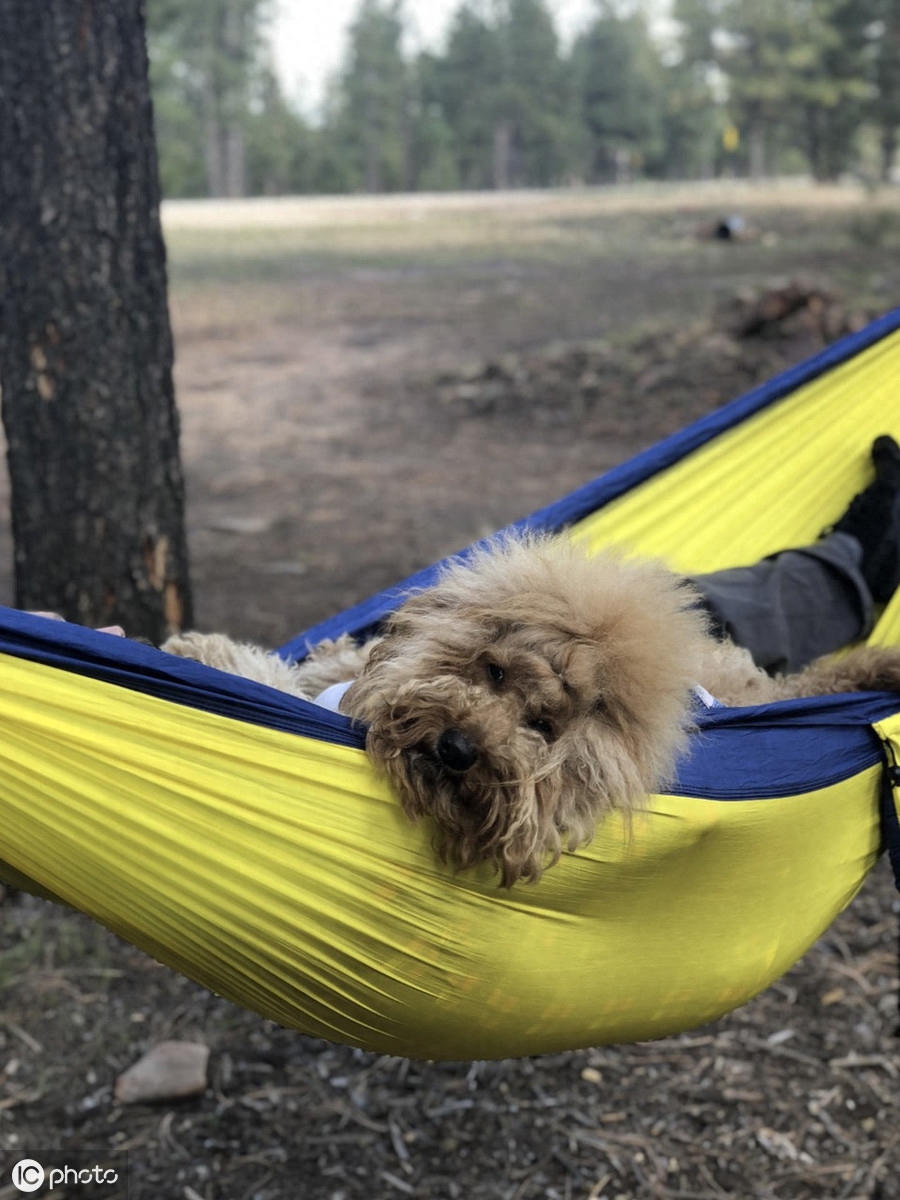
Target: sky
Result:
[308, 37]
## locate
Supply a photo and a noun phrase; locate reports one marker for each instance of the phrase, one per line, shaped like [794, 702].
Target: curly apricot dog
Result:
[533, 689]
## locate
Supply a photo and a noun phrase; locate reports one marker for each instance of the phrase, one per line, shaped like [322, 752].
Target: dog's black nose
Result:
[455, 751]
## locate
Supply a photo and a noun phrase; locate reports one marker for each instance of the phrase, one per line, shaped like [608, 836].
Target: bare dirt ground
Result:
[364, 389]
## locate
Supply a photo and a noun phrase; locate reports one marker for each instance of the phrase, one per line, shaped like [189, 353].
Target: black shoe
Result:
[873, 518]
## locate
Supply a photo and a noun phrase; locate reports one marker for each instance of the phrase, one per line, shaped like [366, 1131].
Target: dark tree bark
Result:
[85, 342]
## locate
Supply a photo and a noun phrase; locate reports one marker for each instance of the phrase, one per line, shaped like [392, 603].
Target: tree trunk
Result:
[85, 342]
[371, 140]
[502, 155]
[234, 47]
[213, 145]
[757, 142]
[235, 162]
[888, 147]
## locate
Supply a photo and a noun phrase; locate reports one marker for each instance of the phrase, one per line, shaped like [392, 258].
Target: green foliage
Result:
[222, 126]
[745, 86]
[280, 147]
[691, 126]
[885, 108]
[370, 123]
[619, 76]
[465, 87]
[535, 95]
[797, 72]
[501, 91]
[433, 158]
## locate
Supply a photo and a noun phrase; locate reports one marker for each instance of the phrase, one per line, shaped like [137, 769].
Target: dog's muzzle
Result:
[455, 752]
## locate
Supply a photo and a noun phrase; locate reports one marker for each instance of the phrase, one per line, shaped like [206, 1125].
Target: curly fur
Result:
[591, 710]
[569, 677]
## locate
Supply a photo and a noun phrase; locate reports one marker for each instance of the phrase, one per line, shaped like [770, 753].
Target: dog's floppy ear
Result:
[420, 605]
[426, 613]
[583, 668]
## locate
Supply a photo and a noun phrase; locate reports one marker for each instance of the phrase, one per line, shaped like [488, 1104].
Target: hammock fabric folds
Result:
[240, 836]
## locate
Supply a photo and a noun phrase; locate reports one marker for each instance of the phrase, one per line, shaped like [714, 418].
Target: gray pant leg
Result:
[793, 606]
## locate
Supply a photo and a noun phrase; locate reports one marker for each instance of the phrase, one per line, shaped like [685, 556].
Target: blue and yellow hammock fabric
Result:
[241, 837]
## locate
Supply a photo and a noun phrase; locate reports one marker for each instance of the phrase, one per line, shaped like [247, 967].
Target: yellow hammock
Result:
[274, 867]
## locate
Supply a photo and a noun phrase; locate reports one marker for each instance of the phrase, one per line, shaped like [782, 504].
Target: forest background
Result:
[722, 88]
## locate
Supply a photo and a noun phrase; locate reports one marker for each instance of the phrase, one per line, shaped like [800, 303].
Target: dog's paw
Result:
[209, 648]
[238, 658]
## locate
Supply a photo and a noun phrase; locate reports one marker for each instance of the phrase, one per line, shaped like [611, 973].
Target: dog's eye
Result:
[544, 727]
[496, 674]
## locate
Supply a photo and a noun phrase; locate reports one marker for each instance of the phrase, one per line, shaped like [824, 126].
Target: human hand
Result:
[114, 630]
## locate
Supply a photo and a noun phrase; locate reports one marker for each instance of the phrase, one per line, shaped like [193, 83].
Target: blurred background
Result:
[266, 97]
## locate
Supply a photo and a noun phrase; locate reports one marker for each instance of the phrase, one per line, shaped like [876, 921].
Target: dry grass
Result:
[263, 260]
[440, 227]
[335, 211]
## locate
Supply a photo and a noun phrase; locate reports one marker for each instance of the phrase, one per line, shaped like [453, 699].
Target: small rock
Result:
[168, 1071]
[240, 525]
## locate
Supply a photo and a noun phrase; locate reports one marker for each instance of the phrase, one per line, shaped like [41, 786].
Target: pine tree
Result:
[884, 31]
[85, 344]
[469, 82]
[370, 121]
[618, 75]
[502, 90]
[206, 68]
[795, 71]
